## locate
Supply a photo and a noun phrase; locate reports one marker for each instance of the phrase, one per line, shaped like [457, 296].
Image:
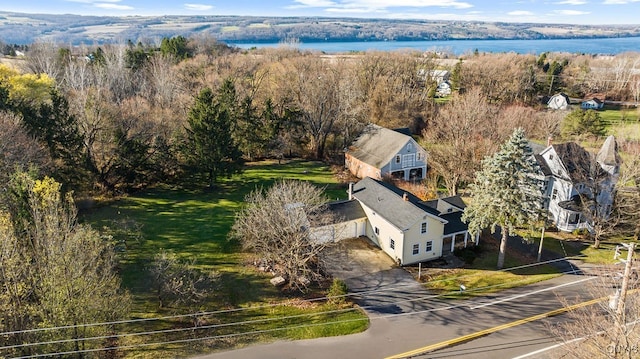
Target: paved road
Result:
[410, 318]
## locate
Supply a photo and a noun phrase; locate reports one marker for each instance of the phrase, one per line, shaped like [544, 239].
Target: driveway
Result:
[404, 316]
[377, 284]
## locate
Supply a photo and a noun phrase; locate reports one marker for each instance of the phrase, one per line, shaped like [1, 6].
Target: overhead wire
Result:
[272, 319]
[264, 306]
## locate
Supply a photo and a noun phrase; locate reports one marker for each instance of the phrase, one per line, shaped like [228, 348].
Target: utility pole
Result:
[625, 283]
[540, 247]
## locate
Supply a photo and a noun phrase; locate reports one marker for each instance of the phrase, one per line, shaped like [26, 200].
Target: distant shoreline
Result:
[342, 40]
[592, 46]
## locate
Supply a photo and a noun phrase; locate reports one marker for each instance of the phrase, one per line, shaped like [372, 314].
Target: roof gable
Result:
[377, 145]
[575, 159]
[608, 154]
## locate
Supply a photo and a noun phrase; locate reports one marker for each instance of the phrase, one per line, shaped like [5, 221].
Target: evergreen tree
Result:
[56, 128]
[505, 191]
[580, 122]
[210, 149]
[175, 46]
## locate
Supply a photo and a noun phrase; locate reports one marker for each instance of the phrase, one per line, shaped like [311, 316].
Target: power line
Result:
[277, 318]
[132, 346]
[197, 314]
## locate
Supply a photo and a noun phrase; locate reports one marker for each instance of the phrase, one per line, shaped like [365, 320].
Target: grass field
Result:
[194, 225]
[481, 277]
[623, 123]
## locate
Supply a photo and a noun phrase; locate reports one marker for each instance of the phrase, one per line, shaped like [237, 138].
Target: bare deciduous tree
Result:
[277, 225]
[592, 331]
[460, 136]
[178, 282]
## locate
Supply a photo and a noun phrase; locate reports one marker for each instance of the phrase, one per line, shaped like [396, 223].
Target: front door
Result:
[446, 245]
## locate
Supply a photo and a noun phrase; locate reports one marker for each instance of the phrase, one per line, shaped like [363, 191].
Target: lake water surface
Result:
[588, 46]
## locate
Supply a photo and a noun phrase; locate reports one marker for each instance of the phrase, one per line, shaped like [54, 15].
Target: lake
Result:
[588, 46]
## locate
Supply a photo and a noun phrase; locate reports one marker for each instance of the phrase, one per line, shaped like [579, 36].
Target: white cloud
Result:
[112, 6]
[572, 2]
[570, 12]
[619, 2]
[520, 13]
[314, 3]
[198, 7]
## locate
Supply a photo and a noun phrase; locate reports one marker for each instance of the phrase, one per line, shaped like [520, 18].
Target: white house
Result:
[593, 104]
[407, 229]
[443, 89]
[380, 152]
[570, 174]
[559, 101]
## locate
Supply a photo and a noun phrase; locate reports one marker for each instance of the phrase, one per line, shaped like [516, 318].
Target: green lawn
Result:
[622, 123]
[194, 225]
[481, 277]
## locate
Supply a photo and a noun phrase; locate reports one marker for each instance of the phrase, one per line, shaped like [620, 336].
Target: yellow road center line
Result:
[481, 333]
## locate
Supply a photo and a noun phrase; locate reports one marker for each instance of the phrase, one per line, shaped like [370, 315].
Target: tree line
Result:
[117, 118]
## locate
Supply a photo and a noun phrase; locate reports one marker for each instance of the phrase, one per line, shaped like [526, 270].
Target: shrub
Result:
[337, 292]
[468, 254]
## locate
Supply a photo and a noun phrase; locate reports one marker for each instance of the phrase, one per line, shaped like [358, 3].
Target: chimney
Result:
[405, 196]
[549, 140]
[350, 191]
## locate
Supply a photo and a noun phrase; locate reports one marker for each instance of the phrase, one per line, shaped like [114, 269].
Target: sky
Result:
[597, 12]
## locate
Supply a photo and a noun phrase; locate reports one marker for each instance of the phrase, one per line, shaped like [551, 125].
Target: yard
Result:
[194, 225]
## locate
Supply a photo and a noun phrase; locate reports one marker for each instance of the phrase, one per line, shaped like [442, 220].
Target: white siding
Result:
[340, 231]
[413, 235]
[386, 231]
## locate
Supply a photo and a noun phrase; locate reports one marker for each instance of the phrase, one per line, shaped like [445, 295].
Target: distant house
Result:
[559, 101]
[438, 76]
[441, 79]
[593, 104]
[443, 89]
[380, 152]
[407, 229]
[571, 173]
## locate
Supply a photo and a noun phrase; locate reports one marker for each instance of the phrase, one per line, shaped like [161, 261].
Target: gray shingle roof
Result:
[387, 201]
[454, 224]
[575, 159]
[608, 154]
[346, 210]
[377, 145]
[455, 201]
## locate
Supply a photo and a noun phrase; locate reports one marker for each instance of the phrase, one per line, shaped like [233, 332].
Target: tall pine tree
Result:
[505, 192]
[210, 149]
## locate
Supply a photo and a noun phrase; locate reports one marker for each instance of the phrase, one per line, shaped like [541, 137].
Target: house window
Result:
[409, 147]
[574, 218]
[392, 243]
[419, 156]
[429, 246]
[398, 159]
[376, 230]
[550, 157]
[416, 249]
[423, 228]
[555, 194]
